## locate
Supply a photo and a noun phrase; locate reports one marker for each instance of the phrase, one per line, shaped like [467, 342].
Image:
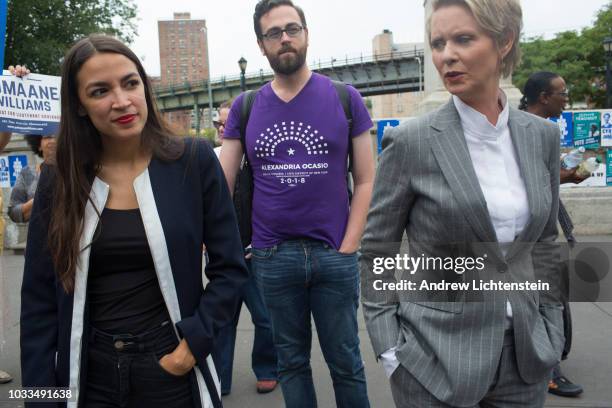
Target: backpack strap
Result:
[345, 100]
[243, 189]
[245, 114]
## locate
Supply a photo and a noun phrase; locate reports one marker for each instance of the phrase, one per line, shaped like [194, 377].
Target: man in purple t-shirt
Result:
[305, 234]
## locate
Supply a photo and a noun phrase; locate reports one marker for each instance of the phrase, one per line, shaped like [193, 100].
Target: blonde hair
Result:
[500, 19]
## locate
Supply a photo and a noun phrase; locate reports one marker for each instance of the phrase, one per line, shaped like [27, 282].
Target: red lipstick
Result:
[125, 119]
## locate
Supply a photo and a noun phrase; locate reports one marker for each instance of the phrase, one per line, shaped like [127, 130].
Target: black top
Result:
[192, 202]
[123, 290]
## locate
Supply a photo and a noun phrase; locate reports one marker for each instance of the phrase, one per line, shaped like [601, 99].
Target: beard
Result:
[288, 60]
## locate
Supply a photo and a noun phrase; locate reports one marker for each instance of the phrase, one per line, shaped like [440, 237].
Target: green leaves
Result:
[39, 32]
[578, 57]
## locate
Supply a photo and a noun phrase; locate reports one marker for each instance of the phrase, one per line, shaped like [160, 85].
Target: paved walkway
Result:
[590, 362]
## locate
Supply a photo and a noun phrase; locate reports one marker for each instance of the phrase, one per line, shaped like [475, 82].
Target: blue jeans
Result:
[263, 356]
[129, 376]
[298, 278]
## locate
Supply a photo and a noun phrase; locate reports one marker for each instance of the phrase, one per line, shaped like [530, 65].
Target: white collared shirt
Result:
[496, 166]
[497, 169]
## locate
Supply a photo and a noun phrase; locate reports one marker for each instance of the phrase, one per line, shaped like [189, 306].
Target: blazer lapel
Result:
[453, 157]
[528, 152]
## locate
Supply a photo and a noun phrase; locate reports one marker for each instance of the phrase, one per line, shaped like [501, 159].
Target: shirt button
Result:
[119, 345]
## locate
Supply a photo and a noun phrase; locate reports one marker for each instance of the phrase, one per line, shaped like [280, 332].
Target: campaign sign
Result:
[606, 128]
[5, 178]
[609, 166]
[597, 178]
[382, 126]
[566, 128]
[16, 163]
[29, 105]
[586, 129]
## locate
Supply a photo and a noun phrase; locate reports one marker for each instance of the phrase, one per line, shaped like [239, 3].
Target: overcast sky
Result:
[337, 27]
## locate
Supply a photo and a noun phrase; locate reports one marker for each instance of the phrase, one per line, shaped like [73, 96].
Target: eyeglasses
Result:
[217, 124]
[564, 94]
[275, 34]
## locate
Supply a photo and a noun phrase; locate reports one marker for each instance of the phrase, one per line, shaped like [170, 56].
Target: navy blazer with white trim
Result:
[193, 206]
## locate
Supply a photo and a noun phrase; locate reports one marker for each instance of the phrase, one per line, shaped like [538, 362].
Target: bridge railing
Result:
[315, 66]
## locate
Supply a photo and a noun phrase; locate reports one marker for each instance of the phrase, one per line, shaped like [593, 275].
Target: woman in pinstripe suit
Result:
[478, 177]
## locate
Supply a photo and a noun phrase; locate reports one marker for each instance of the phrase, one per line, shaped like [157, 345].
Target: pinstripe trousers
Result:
[508, 390]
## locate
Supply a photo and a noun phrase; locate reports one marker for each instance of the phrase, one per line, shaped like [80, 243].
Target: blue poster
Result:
[382, 126]
[15, 164]
[30, 105]
[566, 128]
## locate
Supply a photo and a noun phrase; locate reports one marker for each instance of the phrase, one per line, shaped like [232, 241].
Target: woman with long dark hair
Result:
[113, 304]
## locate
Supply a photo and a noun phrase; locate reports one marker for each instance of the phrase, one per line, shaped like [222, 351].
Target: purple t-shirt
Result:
[298, 151]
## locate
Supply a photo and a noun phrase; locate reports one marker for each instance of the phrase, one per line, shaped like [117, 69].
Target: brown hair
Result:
[263, 7]
[500, 19]
[79, 149]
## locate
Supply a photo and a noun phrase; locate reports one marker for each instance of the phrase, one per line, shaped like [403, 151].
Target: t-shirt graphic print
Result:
[298, 152]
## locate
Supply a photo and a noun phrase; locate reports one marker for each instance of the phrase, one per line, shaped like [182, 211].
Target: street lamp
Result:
[210, 97]
[607, 44]
[242, 63]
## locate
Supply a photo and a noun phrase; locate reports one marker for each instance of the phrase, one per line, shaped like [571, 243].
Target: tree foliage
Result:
[578, 57]
[39, 32]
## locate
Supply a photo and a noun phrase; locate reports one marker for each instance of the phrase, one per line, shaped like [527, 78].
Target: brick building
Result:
[183, 56]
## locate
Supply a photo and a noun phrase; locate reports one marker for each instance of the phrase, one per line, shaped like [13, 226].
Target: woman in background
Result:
[22, 195]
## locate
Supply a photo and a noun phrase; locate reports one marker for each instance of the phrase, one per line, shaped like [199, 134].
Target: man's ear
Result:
[543, 98]
[261, 47]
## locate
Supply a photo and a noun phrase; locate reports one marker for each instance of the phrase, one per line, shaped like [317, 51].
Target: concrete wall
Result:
[590, 209]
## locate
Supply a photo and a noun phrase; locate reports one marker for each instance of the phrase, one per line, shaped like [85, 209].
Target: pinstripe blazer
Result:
[426, 186]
